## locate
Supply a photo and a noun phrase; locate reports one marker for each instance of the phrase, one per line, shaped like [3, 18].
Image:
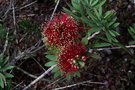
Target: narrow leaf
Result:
[51, 63]
[51, 57]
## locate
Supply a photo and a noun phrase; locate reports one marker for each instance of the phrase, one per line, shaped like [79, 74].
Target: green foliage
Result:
[24, 24]
[2, 32]
[4, 67]
[131, 31]
[56, 72]
[28, 26]
[70, 76]
[90, 12]
[97, 45]
[51, 57]
[85, 40]
[51, 63]
[52, 50]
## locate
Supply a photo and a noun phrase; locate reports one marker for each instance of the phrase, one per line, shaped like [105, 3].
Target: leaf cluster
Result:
[91, 13]
[131, 31]
[4, 68]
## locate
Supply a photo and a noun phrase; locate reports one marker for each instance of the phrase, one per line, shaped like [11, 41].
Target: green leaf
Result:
[56, 74]
[101, 3]
[97, 14]
[24, 24]
[85, 40]
[70, 12]
[93, 17]
[112, 33]
[3, 61]
[55, 69]
[96, 56]
[131, 31]
[87, 21]
[108, 14]
[90, 2]
[2, 32]
[68, 77]
[7, 75]
[100, 11]
[77, 74]
[76, 4]
[52, 50]
[6, 68]
[8, 85]
[81, 64]
[93, 30]
[1, 83]
[51, 57]
[94, 3]
[98, 45]
[51, 63]
[109, 37]
[116, 25]
[116, 33]
[2, 80]
[131, 42]
[112, 22]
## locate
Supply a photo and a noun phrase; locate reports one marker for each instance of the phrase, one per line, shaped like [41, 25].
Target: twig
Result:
[54, 82]
[100, 49]
[40, 47]
[38, 63]
[8, 9]
[93, 35]
[28, 74]
[14, 18]
[61, 88]
[27, 52]
[23, 37]
[112, 48]
[55, 9]
[28, 5]
[6, 43]
[17, 86]
[40, 77]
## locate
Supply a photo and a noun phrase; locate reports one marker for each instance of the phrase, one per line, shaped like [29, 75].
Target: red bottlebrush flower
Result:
[61, 30]
[69, 57]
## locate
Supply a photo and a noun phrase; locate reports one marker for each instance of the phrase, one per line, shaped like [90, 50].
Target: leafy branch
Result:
[91, 13]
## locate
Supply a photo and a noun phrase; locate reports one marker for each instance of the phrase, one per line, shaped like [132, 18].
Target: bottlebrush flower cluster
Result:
[72, 58]
[63, 32]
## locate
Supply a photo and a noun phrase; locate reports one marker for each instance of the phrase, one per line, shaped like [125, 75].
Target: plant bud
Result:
[84, 58]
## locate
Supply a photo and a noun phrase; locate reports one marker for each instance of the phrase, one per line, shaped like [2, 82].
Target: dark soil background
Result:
[114, 68]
